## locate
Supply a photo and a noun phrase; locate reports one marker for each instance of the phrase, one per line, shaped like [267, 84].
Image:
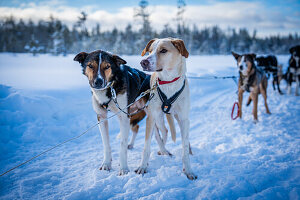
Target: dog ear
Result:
[81, 57]
[119, 60]
[235, 55]
[292, 50]
[147, 47]
[253, 55]
[179, 44]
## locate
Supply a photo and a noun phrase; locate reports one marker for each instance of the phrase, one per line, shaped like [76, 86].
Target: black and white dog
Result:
[270, 65]
[293, 71]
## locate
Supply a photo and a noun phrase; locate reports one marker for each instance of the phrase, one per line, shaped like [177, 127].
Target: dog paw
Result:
[167, 153]
[255, 121]
[190, 175]
[123, 172]
[141, 170]
[105, 166]
[130, 146]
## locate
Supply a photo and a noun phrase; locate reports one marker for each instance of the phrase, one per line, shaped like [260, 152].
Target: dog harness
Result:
[258, 74]
[167, 102]
[136, 81]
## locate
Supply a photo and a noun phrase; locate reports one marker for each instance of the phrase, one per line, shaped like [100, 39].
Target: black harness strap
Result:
[105, 105]
[167, 103]
[250, 80]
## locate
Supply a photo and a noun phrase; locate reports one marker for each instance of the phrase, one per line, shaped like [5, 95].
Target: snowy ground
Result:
[45, 100]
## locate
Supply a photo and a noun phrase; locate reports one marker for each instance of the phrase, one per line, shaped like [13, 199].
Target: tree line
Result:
[55, 37]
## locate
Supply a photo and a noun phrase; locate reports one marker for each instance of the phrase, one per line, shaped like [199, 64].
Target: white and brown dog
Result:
[167, 60]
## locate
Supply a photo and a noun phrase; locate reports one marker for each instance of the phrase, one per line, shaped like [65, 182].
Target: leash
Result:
[235, 104]
[238, 111]
[114, 98]
[84, 132]
[212, 77]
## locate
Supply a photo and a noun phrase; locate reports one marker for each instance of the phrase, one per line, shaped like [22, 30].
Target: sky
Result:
[269, 17]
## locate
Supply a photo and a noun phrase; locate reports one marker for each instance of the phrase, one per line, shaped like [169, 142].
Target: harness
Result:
[257, 72]
[138, 86]
[167, 102]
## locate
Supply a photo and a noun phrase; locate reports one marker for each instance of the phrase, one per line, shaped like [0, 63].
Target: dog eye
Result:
[106, 67]
[163, 51]
[90, 66]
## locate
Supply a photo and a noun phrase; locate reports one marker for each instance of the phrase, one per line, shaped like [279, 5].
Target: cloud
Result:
[236, 14]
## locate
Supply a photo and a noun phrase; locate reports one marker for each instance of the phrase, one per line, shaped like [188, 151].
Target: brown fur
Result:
[146, 49]
[179, 44]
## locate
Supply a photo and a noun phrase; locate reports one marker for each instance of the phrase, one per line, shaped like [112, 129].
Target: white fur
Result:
[244, 65]
[98, 98]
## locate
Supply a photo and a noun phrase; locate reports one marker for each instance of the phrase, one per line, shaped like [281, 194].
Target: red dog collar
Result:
[160, 82]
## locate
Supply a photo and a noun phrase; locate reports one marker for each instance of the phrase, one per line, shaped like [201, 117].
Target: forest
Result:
[55, 37]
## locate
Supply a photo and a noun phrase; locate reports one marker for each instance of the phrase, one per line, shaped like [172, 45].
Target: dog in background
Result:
[253, 80]
[172, 97]
[270, 65]
[293, 71]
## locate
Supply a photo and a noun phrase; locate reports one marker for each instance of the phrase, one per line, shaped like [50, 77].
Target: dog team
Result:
[165, 94]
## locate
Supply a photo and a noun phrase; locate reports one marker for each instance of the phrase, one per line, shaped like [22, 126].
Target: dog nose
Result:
[98, 82]
[145, 63]
[241, 67]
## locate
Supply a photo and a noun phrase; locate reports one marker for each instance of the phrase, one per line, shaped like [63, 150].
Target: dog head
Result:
[164, 54]
[99, 67]
[295, 53]
[245, 62]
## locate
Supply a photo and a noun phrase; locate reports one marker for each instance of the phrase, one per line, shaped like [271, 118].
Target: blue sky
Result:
[267, 17]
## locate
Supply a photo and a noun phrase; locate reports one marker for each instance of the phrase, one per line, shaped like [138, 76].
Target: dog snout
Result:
[145, 64]
[98, 83]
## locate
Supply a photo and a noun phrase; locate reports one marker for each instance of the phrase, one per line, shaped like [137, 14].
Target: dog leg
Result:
[162, 128]
[146, 153]
[297, 85]
[249, 100]
[289, 88]
[184, 129]
[255, 102]
[264, 94]
[278, 86]
[240, 101]
[124, 128]
[161, 144]
[134, 130]
[290, 80]
[103, 127]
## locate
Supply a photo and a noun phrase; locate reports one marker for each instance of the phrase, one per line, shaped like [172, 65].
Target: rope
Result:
[64, 142]
[212, 77]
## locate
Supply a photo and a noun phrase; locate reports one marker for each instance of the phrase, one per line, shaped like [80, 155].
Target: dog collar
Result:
[160, 82]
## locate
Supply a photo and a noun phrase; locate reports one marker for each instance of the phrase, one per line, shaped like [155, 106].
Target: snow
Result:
[45, 100]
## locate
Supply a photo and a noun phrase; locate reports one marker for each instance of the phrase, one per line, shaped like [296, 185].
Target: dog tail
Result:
[249, 101]
[170, 120]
